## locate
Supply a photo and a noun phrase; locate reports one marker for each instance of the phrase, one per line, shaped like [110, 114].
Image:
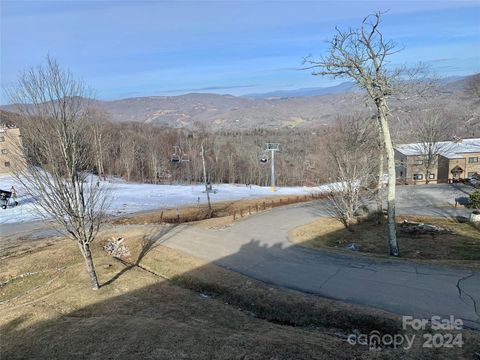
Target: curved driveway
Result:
[258, 247]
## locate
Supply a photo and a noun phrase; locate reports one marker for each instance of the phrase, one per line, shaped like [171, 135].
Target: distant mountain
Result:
[451, 79]
[455, 84]
[344, 87]
[285, 108]
[452, 83]
[226, 111]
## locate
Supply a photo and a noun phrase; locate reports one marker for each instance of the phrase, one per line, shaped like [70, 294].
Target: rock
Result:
[422, 228]
[462, 219]
[475, 216]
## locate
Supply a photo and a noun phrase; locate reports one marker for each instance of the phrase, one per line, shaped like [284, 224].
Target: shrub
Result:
[475, 199]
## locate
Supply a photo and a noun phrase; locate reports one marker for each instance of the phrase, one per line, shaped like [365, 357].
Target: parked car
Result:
[474, 180]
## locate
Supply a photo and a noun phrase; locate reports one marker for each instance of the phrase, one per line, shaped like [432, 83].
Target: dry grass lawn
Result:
[163, 304]
[461, 246]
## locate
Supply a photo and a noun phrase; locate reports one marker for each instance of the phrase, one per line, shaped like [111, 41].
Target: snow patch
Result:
[127, 198]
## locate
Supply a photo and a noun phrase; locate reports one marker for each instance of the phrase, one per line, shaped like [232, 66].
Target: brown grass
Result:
[173, 306]
[237, 209]
[461, 246]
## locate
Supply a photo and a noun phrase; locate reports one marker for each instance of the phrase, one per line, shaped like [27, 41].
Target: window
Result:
[417, 176]
[431, 176]
[4, 151]
[472, 160]
[7, 163]
[418, 162]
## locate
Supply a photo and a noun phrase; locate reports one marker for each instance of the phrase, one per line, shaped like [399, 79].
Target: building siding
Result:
[11, 157]
[407, 167]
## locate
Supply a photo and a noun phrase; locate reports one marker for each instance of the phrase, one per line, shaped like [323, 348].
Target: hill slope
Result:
[312, 107]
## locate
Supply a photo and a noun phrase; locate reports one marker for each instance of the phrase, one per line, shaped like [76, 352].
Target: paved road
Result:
[259, 247]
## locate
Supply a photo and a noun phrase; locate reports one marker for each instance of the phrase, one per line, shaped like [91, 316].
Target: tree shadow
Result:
[466, 189]
[147, 244]
[198, 314]
[463, 201]
[205, 312]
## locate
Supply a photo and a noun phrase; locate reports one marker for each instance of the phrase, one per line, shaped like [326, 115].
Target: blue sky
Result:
[140, 48]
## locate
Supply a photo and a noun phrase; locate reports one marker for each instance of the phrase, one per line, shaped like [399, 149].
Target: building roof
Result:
[449, 149]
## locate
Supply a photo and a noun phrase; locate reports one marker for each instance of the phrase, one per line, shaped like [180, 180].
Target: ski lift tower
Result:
[273, 148]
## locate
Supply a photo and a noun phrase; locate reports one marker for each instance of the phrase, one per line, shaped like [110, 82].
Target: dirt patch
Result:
[459, 243]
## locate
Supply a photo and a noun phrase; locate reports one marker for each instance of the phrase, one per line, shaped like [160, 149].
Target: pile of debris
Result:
[352, 247]
[117, 248]
[422, 228]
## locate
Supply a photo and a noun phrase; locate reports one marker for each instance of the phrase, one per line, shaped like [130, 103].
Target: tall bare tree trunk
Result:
[379, 190]
[391, 226]
[207, 190]
[85, 249]
[98, 139]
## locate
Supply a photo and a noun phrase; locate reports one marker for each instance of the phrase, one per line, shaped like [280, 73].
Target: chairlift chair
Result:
[264, 157]
[185, 158]
[176, 158]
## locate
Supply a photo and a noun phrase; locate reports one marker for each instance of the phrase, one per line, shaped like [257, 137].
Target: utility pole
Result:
[207, 190]
[273, 148]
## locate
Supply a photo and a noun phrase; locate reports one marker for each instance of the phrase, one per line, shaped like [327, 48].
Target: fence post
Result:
[256, 207]
[234, 215]
[264, 206]
[161, 217]
[249, 211]
[178, 216]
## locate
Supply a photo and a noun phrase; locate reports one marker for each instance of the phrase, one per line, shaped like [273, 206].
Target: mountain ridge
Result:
[226, 111]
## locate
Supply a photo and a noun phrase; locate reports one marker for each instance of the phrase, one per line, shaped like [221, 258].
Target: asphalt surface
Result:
[258, 246]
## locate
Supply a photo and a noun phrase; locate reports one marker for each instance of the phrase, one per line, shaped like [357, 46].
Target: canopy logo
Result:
[442, 338]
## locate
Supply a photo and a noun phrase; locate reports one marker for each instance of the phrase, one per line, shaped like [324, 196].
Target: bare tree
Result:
[431, 129]
[54, 107]
[128, 154]
[472, 116]
[101, 139]
[349, 147]
[380, 177]
[205, 181]
[362, 55]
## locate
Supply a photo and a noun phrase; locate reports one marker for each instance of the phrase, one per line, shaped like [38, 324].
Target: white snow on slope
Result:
[133, 197]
